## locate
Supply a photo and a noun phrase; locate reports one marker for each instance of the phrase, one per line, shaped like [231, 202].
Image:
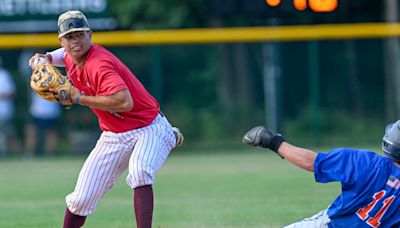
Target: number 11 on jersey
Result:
[363, 213]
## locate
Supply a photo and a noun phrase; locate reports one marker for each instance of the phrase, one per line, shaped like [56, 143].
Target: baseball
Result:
[39, 61]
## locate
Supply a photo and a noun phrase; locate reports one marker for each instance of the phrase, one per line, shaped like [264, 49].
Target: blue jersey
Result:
[370, 188]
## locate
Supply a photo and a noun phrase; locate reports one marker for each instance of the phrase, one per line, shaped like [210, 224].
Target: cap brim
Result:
[72, 30]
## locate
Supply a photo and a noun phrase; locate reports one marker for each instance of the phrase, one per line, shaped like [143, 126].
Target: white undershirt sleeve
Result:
[57, 57]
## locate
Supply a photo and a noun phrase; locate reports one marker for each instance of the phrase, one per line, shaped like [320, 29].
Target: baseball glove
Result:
[45, 77]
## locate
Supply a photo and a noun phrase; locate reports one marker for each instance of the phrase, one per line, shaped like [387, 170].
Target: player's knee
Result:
[80, 205]
[140, 177]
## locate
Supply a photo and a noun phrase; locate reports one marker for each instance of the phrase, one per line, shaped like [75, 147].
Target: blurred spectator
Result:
[41, 135]
[41, 132]
[8, 138]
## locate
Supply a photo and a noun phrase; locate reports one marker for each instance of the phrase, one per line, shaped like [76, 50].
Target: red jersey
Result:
[103, 74]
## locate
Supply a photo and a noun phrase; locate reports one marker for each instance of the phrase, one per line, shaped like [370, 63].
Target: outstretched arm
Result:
[298, 156]
[301, 157]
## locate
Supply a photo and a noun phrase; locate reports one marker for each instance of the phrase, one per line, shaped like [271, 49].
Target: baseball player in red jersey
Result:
[136, 135]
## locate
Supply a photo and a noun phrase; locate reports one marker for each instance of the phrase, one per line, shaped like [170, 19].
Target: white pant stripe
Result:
[140, 150]
[92, 181]
[102, 181]
[161, 158]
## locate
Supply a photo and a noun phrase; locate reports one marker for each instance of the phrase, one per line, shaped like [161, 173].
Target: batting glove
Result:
[260, 136]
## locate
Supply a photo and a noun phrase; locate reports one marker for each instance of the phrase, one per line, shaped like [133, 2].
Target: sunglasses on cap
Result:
[72, 24]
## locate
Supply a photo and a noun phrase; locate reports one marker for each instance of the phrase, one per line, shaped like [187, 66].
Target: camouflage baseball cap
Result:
[72, 21]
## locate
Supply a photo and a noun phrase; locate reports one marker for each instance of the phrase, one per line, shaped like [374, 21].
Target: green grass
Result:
[249, 188]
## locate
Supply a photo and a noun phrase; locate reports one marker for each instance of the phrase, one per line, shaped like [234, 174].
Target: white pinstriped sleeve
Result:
[57, 57]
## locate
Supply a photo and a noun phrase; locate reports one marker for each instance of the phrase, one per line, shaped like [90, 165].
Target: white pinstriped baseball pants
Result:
[141, 151]
[319, 220]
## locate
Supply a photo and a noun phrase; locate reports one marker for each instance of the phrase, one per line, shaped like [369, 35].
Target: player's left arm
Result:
[110, 91]
[301, 157]
[120, 101]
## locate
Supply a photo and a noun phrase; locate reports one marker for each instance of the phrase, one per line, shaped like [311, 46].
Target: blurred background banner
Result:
[320, 74]
[32, 16]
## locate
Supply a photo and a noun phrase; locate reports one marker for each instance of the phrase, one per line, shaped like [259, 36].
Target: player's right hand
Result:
[38, 59]
[260, 136]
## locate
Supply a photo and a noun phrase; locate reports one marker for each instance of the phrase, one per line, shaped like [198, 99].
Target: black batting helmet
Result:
[391, 141]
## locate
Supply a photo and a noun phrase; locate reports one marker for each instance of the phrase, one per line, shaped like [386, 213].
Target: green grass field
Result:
[249, 188]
